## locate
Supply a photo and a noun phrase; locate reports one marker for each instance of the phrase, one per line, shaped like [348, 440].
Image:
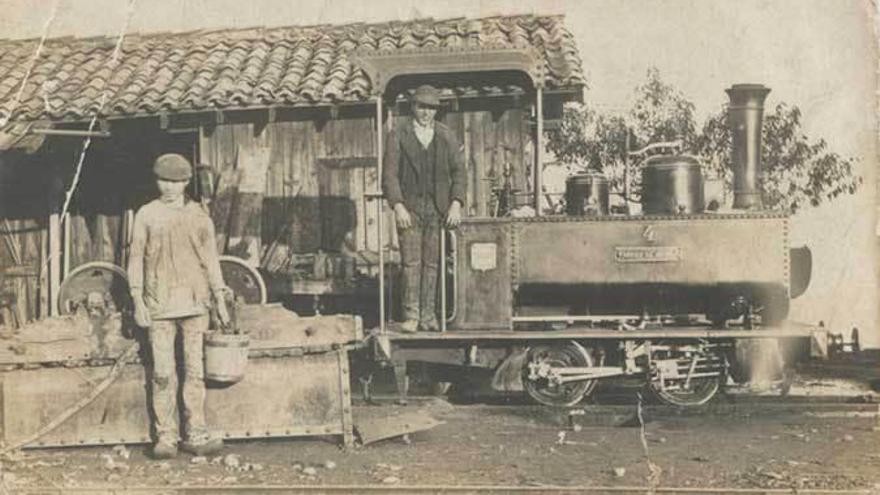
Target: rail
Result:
[576, 333]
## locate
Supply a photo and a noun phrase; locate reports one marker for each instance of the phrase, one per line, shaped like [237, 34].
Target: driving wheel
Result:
[686, 377]
[542, 389]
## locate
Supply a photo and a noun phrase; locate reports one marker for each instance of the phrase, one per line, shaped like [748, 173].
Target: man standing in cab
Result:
[175, 278]
[424, 180]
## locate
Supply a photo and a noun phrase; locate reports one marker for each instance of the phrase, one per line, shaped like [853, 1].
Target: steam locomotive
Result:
[666, 294]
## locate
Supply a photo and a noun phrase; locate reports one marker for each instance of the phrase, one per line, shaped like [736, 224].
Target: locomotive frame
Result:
[685, 359]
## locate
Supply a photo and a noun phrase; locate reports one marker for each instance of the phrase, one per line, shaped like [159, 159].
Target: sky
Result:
[818, 54]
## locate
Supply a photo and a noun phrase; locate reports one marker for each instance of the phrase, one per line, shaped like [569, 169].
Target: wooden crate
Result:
[296, 383]
[288, 396]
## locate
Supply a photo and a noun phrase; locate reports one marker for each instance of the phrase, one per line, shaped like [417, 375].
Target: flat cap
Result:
[173, 167]
[427, 95]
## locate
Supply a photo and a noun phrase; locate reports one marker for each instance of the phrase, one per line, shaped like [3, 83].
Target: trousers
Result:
[420, 257]
[162, 335]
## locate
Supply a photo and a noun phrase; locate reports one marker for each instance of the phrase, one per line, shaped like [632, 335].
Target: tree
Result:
[598, 141]
[797, 170]
[661, 113]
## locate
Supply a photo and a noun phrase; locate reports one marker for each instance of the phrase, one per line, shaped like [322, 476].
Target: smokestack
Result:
[744, 118]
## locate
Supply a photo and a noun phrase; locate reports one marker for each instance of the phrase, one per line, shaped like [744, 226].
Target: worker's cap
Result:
[427, 95]
[173, 167]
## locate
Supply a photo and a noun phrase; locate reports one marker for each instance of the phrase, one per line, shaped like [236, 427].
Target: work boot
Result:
[164, 448]
[429, 325]
[202, 446]
[409, 326]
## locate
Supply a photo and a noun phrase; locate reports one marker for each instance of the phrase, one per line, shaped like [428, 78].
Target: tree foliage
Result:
[797, 170]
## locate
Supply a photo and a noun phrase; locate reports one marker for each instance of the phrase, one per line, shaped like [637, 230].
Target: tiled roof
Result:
[240, 68]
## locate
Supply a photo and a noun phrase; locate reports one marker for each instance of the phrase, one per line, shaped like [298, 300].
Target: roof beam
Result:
[70, 133]
[568, 92]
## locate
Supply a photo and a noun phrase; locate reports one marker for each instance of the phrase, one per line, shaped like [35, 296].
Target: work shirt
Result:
[425, 161]
[174, 260]
[425, 134]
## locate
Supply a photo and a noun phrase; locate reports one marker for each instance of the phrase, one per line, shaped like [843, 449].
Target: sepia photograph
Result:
[495, 246]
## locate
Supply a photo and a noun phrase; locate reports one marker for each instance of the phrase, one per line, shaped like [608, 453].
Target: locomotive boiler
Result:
[664, 294]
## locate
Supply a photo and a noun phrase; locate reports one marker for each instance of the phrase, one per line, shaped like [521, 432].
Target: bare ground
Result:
[510, 446]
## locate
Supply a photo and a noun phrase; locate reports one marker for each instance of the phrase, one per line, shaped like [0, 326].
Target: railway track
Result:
[828, 407]
[418, 489]
[623, 411]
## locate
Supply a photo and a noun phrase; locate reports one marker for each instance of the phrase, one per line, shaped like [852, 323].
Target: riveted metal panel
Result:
[484, 294]
[694, 250]
[286, 396]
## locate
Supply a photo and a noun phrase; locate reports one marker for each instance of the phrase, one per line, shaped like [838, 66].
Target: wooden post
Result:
[54, 255]
[626, 174]
[539, 150]
[65, 247]
[443, 279]
[472, 195]
[43, 277]
[54, 243]
[381, 201]
[127, 231]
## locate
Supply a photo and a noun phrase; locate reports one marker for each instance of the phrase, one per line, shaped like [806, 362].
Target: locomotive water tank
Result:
[586, 194]
[671, 185]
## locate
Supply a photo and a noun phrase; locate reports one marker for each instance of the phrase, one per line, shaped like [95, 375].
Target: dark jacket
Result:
[400, 176]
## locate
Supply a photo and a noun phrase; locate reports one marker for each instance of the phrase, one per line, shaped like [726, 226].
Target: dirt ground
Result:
[513, 445]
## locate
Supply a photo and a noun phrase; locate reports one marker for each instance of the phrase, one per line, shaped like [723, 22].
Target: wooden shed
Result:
[284, 117]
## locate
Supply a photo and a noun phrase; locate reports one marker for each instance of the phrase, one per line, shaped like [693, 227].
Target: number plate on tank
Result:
[647, 254]
[484, 256]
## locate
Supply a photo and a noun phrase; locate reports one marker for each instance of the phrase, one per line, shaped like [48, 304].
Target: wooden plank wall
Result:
[21, 281]
[23, 218]
[493, 138]
[97, 208]
[313, 202]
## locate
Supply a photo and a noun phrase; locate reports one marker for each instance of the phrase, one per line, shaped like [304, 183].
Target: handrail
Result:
[444, 320]
[653, 146]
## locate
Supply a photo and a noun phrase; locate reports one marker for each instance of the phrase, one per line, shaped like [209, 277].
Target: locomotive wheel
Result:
[701, 391]
[679, 392]
[245, 281]
[559, 355]
[98, 279]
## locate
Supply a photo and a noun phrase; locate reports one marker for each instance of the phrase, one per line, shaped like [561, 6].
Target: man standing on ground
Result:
[424, 181]
[174, 273]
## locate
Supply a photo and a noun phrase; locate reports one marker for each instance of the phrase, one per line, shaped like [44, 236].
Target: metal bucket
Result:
[672, 185]
[586, 194]
[226, 356]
